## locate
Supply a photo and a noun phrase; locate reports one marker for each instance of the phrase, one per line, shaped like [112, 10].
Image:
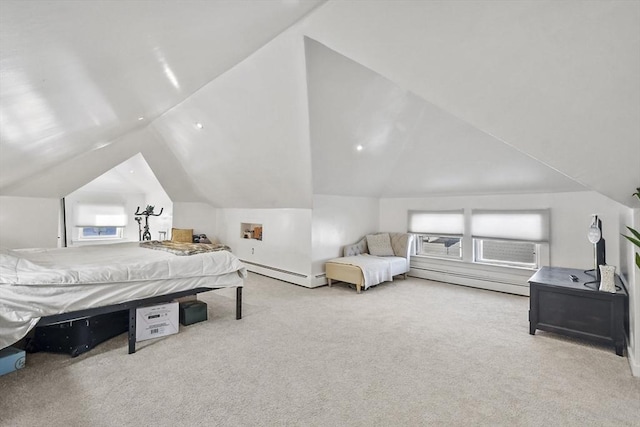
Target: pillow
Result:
[380, 244]
[184, 235]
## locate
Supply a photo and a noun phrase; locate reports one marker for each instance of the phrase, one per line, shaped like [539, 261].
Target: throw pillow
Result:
[184, 235]
[380, 244]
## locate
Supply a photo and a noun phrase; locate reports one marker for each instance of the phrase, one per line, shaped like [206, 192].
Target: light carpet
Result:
[407, 353]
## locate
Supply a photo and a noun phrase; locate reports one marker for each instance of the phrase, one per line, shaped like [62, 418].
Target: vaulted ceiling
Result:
[295, 98]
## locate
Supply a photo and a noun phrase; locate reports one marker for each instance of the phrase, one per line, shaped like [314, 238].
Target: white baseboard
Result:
[284, 275]
[471, 282]
[319, 280]
[494, 278]
[634, 364]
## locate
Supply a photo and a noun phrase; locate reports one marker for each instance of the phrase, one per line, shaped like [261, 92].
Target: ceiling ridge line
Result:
[286, 29]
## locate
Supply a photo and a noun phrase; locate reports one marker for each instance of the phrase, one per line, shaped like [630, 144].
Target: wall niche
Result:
[251, 231]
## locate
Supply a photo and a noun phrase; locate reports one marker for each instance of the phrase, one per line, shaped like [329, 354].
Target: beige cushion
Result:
[184, 235]
[380, 244]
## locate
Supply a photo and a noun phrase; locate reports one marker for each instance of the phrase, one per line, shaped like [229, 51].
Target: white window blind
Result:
[525, 225]
[440, 223]
[96, 215]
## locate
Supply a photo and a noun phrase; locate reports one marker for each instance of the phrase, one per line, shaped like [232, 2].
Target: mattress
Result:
[41, 282]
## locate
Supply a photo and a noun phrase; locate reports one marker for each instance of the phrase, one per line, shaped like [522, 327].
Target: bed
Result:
[44, 286]
[374, 259]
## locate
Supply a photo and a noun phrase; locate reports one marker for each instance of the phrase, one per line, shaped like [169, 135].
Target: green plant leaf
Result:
[638, 259]
[634, 232]
[632, 240]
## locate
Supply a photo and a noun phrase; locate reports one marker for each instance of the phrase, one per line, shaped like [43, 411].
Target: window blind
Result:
[521, 225]
[96, 215]
[447, 223]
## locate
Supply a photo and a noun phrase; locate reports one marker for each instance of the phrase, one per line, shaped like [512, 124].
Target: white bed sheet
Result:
[120, 273]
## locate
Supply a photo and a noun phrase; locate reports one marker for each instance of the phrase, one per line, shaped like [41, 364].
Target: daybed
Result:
[43, 286]
[376, 258]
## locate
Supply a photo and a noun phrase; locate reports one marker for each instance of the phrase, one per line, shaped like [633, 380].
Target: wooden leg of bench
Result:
[358, 287]
[329, 282]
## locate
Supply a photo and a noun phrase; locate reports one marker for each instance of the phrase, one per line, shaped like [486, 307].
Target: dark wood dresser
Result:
[561, 305]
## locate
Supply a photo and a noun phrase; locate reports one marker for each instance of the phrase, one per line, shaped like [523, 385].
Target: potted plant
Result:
[636, 234]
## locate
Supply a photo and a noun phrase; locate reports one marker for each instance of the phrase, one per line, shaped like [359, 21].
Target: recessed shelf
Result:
[251, 231]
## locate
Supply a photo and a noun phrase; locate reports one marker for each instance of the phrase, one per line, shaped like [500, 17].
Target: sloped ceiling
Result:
[387, 142]
[75, 75]
[252, 149]
[134, 174]
[556, 80]
[69, 175]
[445, 97]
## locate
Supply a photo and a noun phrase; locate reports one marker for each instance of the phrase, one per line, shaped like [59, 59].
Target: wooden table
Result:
[560, 305]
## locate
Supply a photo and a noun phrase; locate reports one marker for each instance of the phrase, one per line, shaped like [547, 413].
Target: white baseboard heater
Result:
[284, 275]
[502, 279]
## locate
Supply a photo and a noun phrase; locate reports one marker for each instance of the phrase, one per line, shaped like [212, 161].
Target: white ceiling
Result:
[465, 97]
[75, 75]
[387, 142]
[134, 174]
[557, 80]
[253, 148]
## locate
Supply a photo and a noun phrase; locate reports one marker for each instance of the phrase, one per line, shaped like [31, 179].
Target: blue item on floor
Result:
[11, 359]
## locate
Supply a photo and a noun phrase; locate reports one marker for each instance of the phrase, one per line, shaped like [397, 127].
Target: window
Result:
[439, 246]
[438, 233]
[506, 253]
[100, 233]
[509, 238]
[524, 226]
[99, 221]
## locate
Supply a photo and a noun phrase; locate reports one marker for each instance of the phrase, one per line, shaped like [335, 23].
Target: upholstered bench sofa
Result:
[376, 258]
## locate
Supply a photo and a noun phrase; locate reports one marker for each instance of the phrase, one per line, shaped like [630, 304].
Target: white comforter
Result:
[41, 282]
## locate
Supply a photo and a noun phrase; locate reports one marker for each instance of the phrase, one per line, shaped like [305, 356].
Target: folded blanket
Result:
[375, 269]
[182, 248]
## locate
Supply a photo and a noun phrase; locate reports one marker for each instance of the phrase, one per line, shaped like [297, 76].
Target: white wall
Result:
[569, 247]
[296, 242]
[285, 244]
[159, 200]
[201, 217]
[29, 222]
[632, 274]
[130, 201]
[570, 217]
[338, 221]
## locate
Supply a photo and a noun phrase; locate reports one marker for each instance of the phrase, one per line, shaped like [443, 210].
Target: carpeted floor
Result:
[407, 353]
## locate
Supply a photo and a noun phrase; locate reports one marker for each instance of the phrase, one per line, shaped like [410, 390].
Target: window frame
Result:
[418, 243]
[119, 234]
[538, 247]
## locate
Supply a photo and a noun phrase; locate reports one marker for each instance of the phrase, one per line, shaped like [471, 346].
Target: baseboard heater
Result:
[501, 284]
[468, 276]
[279, 270]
